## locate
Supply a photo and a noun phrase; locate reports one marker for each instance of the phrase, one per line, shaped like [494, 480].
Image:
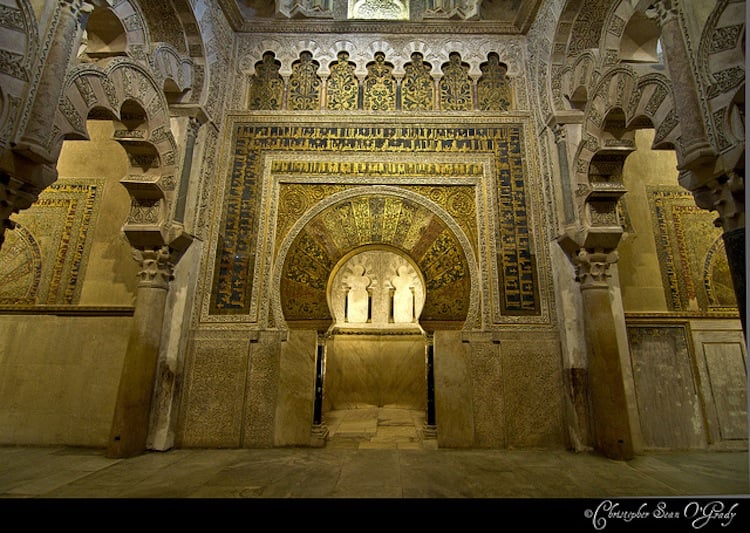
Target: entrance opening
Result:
[375, 392]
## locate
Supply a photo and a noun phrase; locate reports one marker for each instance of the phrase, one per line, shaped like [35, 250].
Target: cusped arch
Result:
[375, 215]
[175, 72]
[654, 100]
[393, 281]
[119, 82]
[608, 99]
[105, 36]
[580, 75]
[643, 101]
[115, 30]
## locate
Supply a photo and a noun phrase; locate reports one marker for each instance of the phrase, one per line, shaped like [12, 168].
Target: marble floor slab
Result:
[375, 458]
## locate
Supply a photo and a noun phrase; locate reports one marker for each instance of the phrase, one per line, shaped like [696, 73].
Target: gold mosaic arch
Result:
[375, 219]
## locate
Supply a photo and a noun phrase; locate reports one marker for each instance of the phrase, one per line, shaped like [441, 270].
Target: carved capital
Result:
[157, 267]
[724, 194]
[592, 267]
[194, 124]
[14, 196]
[559, 132]
[77, 7]
[662, 12]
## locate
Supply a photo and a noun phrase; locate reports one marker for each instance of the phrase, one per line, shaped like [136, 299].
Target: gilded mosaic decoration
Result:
[374, 219]
[267, 86]
[493, 88]
[380, 85]
[304, 84]
[235, 256]
[417, 89]
[694, 268]
[455, 85]
[343, 87]
[41, 260]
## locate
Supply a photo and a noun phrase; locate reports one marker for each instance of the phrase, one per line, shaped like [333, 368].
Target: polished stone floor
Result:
[373, 456]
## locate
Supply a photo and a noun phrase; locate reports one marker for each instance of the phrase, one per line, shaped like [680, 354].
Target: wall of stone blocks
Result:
[60, 387]
[499, 390]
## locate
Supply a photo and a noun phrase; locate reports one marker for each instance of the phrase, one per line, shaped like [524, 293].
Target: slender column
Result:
[430, 430]
[319, 428]
[187, 165]
[130, 424]
[611, 425]
[734, 245]
[64, 46]
[562, 155]
[324, 92]
[436, 91]
[318, 405]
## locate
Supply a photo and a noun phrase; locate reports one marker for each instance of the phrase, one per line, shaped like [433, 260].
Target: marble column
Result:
[560, 133]
[610, 421]
[430, 428]
[319, 428]
[130, 424]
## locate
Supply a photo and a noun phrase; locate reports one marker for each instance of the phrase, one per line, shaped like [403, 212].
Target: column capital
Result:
[157, 266]
[724, 194]
[21, 182]
[194, 124]
[77, 6]
[662, 11]
[558, 130]
[592, 267]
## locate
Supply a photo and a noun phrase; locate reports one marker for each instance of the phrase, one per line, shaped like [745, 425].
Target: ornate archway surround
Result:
[327, 162]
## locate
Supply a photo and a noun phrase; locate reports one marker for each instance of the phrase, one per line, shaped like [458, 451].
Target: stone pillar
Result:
[436, 91]
[562, 156]
[610, 421]
[734, 245]
[130, 424]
